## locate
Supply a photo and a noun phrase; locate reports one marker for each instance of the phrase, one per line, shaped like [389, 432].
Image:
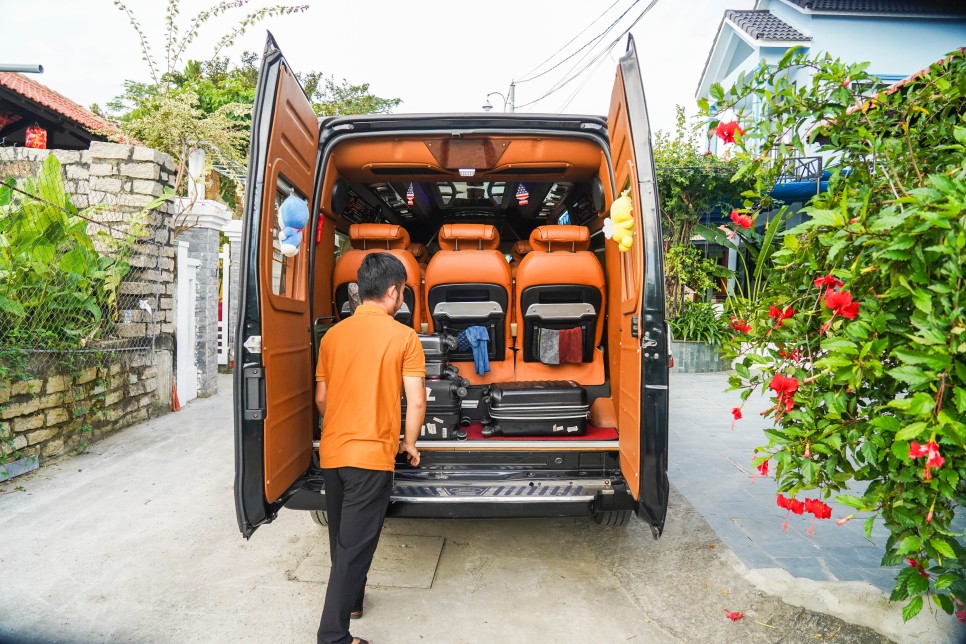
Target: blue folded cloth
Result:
[479, 340]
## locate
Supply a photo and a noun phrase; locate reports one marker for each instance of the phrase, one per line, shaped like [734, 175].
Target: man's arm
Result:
[415, 388]
[320, 397]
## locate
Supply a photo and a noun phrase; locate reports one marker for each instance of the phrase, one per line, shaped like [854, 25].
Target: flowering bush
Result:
[858, 332]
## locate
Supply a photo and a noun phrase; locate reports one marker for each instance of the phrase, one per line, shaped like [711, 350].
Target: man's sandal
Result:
[356, 614]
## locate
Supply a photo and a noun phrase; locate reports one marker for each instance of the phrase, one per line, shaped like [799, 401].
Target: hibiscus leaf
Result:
[931, 360]
[917, 583]
[922, 300]
[830, 218]
[945, 581]
[919, 405]
[910, 431]
[851, 501]
[869, 525]
[888, 423]
[943, 548]
[944, 602]
[909, 545]
[840, 345]
[912, 376]
[912, 608]
[959, 396]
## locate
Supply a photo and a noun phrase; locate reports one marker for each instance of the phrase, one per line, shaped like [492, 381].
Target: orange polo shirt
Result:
[362, 360]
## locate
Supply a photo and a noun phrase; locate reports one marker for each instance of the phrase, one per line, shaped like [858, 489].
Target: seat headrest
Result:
[520, 249]
[468, 237]
[563, 238]
[420, 252]
[372, 236]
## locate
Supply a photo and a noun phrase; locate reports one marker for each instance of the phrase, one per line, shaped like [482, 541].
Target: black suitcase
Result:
[443, 399]
[437, 348]
[537, 408]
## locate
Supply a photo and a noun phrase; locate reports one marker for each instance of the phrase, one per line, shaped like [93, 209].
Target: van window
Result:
[284, 269]
[342, 244]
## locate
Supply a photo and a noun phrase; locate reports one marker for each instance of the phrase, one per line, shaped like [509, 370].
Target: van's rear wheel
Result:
[613, 517]
[321, 517]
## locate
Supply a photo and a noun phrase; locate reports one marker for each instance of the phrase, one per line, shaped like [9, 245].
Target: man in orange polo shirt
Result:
[365, 361]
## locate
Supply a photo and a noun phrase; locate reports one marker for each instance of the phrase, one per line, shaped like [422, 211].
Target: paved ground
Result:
[741, 507]
[136, 542]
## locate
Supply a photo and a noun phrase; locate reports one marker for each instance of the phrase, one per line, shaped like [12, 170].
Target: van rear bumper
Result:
[491, 500]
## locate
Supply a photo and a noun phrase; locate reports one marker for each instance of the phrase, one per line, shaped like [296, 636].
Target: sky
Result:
[437, 56]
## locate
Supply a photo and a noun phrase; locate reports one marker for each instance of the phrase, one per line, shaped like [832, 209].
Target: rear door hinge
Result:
[253, 343]
[635, 326]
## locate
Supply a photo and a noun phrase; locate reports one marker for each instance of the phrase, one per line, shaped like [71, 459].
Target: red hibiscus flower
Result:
[792, 505]
[734, 616]
[841, 304]
[745, 221]
[736, 416]
[726, 131]
[785, 388]
[961, 615]
[739, 325]
[763, 469]
[795, 355]
[828, 281]
[779, 315]
[818, 508]
[930, 450]
[918, 566]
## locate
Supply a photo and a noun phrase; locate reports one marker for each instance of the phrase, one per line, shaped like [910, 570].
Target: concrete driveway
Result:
[136, 541]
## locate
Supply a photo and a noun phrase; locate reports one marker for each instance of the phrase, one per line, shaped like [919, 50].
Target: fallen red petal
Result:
[735, 616]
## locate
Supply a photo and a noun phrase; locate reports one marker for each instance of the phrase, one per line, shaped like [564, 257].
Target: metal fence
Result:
[72, 282]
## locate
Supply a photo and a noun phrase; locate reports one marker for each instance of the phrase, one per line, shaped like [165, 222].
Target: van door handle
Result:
[254, 378]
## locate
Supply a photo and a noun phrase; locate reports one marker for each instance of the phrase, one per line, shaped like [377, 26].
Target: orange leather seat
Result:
[378, 238]
[468, 283]
[420, 253]
[519, 250]
[560, 285]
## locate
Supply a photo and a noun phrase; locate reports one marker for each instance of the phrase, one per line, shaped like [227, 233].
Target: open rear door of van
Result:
[274, 384]
[642, 396]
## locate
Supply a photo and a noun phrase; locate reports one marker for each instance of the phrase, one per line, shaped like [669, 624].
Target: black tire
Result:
[321, 517]
[613, 517]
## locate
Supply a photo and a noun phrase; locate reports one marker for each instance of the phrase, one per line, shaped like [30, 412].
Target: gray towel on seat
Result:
[548, 346]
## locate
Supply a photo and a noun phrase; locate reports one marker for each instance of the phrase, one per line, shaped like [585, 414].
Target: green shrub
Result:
[698, 322]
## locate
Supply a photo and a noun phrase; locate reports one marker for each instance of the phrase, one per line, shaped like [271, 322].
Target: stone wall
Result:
[57, 403]
[203, 245]
[67, 408]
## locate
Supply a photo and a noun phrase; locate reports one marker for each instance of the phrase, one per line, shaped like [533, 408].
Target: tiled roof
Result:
[43, 95]
[917, 7]
[764, 25]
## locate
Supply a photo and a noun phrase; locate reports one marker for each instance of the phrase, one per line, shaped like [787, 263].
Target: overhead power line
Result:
[569, 78]
[528, 78]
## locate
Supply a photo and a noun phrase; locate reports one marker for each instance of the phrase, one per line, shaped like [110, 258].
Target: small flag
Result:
[522, 195]
[410, 195]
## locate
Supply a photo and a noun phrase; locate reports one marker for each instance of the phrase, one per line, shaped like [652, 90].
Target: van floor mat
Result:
[474, 432]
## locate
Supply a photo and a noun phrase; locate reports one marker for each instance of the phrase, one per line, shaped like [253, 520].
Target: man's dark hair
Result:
[378, 272]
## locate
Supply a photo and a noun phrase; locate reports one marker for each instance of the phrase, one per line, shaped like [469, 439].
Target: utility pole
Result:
[511, 96]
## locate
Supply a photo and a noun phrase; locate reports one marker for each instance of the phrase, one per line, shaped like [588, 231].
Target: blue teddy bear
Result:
[293, 216]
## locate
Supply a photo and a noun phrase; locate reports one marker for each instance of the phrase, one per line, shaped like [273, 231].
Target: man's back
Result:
[362, 361]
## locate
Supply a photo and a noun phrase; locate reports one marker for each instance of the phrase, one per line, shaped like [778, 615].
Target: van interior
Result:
[499, 232]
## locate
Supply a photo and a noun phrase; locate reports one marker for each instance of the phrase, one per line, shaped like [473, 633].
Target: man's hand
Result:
[411, 451]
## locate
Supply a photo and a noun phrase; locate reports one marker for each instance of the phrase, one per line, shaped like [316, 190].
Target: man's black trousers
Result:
[357, 500]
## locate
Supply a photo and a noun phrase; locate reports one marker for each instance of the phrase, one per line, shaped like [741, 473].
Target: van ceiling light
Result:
[467, 172]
